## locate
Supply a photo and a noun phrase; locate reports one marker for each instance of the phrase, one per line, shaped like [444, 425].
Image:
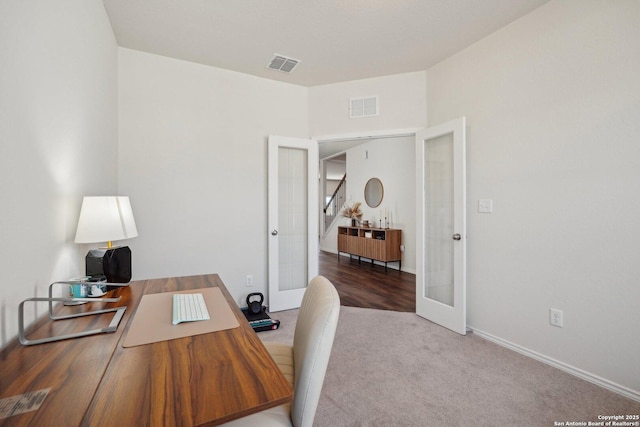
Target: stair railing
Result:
[332, 209]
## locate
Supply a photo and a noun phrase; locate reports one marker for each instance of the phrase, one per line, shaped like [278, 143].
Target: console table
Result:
[376, 244]
[200, 380]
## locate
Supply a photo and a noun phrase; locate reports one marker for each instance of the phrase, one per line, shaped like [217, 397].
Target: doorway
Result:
[390, 157]
[391, 160]
[431, 192]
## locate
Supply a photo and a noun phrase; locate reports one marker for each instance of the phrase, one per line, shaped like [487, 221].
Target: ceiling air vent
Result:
[363, 107]
[282, 63]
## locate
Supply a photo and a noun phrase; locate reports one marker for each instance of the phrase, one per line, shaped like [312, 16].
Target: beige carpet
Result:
[396, 369]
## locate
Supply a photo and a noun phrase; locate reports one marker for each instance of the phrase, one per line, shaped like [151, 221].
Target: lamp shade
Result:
[103, 219]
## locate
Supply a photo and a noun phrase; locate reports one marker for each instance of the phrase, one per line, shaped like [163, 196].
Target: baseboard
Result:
[594, 379]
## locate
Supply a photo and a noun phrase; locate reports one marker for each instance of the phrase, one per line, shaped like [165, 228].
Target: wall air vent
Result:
[363, 107]
[282, 63]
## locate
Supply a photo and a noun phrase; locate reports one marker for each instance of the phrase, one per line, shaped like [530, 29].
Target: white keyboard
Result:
[189, 308]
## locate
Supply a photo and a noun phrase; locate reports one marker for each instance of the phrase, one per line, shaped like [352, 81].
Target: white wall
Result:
[401, 102]
[193, 160]
[402, 105]
[553, 112]
[58, 129]
[392, 160]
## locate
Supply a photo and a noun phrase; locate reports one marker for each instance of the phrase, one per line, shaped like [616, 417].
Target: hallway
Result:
[361, 285]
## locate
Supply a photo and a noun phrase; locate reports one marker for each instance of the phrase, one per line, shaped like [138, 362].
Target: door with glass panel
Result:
[292, 219]
[441, 225]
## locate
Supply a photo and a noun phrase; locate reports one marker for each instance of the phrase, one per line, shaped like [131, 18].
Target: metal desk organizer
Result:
[113, 326]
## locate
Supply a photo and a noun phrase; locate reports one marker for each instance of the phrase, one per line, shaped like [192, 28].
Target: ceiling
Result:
[335, 40]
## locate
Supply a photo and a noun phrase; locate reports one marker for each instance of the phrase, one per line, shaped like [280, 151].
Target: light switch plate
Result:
[485, 205]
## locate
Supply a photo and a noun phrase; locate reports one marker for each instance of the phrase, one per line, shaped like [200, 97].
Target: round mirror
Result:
[373, 192]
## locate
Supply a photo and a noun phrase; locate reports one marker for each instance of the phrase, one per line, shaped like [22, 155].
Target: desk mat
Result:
[152, 320]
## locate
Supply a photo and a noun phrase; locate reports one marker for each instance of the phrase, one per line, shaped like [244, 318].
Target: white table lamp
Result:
[105, 219]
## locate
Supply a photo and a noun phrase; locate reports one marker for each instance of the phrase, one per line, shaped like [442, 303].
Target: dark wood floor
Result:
[363, 285]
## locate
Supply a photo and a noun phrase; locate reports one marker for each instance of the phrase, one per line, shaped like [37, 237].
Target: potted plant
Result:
[353, 212]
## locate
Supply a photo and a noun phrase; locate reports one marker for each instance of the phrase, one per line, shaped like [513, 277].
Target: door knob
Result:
[456, 236]
[274, 233]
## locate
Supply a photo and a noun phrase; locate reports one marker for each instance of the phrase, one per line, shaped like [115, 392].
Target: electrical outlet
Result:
[555, 317]
[249, 281]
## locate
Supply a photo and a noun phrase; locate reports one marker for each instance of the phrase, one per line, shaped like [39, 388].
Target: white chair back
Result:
[312, 343]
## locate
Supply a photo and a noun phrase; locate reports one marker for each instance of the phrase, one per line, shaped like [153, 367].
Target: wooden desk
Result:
[203, 380]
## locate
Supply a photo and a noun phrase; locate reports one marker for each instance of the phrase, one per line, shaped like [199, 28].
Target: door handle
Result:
[456, 236]
[274, 233]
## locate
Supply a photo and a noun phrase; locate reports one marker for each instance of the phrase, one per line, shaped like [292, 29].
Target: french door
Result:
[292, 219]
[441, 225]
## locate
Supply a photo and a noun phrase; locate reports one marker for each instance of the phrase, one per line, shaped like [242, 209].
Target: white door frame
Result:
[389, 133]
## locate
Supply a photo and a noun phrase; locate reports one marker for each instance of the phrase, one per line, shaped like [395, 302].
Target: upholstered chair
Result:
[304, 363]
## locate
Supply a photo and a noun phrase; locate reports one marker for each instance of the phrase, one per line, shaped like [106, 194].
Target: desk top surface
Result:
[193, 381]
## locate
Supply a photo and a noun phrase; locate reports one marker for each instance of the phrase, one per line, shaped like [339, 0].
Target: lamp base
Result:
[113, 263]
